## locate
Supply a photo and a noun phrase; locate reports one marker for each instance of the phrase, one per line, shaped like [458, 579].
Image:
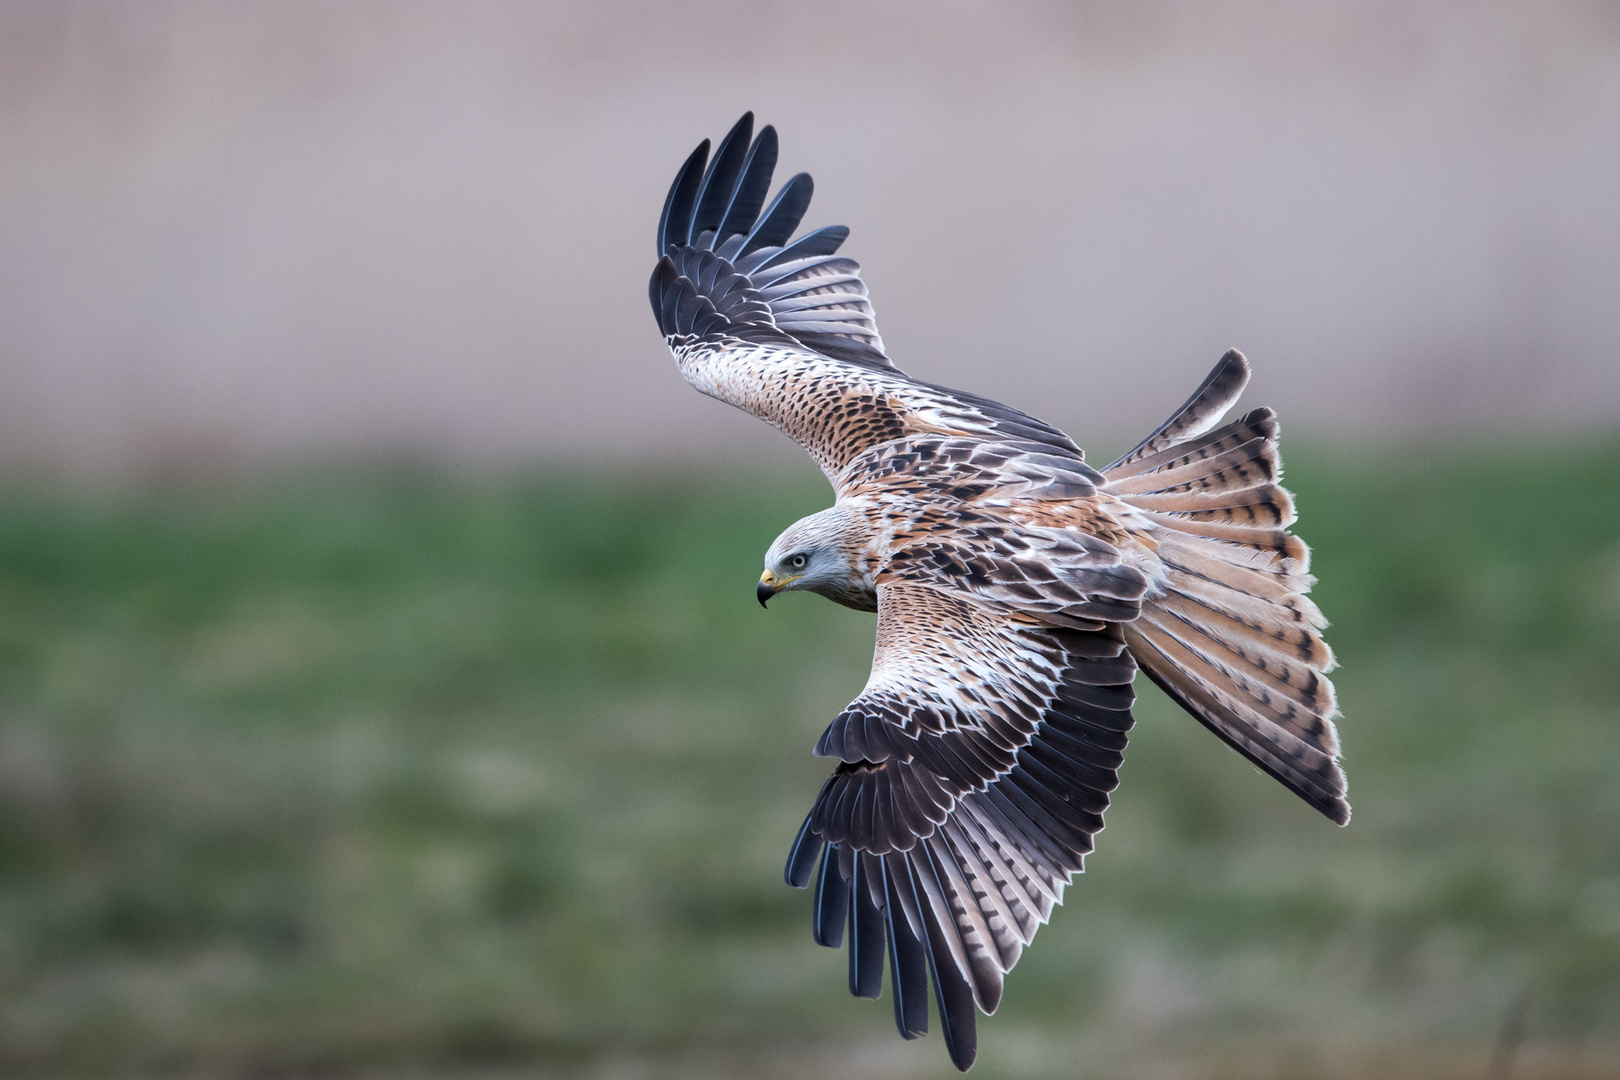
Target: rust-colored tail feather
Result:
[1229, 632]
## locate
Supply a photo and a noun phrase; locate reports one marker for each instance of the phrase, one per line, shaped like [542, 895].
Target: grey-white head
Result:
[821, 554]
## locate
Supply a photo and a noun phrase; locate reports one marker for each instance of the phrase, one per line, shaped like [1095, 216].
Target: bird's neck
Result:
[861, 538]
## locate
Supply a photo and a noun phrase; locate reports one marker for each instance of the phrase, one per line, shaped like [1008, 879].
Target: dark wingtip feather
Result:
[908, 956]
[866, 937]
[831, 903]
[961, 1035]
[676, 220]
[776, 225]
[952, 994]
[801, 860]
[752, 188]
[714, 195]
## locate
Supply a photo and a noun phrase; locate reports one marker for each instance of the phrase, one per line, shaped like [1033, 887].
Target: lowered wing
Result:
[974, 771]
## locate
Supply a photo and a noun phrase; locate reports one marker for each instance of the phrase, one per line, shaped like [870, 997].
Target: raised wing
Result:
[783, 328]
[712, 223]
[975, 768]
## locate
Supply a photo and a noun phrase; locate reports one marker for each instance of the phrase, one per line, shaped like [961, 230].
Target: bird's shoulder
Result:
[1026, 533]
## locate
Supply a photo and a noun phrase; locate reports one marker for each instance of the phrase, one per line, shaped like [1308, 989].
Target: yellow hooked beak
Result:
[769, 585]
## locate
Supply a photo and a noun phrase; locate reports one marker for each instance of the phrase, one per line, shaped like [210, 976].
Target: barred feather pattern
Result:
[1228, 630]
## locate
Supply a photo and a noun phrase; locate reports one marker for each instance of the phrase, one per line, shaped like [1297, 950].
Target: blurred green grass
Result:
[394, 773]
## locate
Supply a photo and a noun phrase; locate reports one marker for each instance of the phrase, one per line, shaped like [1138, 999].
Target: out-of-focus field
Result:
[394, 774]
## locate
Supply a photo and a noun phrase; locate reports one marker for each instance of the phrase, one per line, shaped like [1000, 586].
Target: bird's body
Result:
[1018, 590]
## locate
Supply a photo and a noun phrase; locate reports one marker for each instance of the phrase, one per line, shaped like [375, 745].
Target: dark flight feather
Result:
[720, 181]
[801, 859]
[675, 223]
[867, 933]
[752, 188]
[908, 956]
[831, 902]
[781, 218]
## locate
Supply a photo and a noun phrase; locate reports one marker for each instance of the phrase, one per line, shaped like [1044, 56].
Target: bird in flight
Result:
[1018, 590]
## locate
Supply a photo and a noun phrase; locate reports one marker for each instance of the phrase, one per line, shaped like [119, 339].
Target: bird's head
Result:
[812, 554]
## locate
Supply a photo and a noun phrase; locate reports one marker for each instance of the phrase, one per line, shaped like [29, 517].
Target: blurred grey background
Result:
[237, 233]
[383, 694]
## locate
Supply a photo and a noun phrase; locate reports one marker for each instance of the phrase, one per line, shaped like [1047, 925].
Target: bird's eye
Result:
[798, 561]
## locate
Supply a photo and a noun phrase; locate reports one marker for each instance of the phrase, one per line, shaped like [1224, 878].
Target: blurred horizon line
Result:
[254, 234]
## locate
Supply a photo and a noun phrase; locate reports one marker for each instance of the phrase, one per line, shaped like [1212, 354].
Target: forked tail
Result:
[1229, 633]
